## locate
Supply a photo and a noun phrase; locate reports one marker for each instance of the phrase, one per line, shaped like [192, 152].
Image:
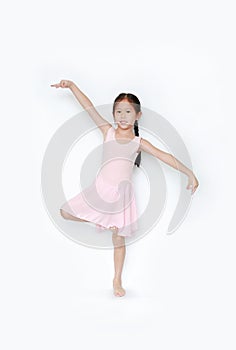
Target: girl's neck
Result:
[124, 132]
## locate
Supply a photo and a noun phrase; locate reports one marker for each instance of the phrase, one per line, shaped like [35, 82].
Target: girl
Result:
[126, 113]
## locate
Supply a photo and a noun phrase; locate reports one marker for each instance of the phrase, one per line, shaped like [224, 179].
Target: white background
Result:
[179, 59]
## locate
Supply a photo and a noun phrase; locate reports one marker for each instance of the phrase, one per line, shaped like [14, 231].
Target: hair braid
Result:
[136, 131]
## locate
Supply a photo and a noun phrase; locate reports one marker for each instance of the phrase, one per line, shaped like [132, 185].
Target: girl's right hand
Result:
[63, 84]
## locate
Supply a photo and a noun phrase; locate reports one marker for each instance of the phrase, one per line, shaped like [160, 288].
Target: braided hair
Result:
[137, 106]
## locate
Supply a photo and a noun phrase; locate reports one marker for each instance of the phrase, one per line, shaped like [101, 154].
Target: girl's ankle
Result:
[117, 279]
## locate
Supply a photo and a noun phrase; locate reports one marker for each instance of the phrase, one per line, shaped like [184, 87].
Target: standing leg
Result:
[119, 256]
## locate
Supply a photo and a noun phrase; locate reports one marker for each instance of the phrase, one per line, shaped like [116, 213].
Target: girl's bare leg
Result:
[68, 216]
[119, 256]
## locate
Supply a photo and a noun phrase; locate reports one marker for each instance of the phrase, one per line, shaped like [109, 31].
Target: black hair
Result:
[137, 106]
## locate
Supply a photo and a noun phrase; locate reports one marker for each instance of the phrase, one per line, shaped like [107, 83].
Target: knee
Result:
[64, 214]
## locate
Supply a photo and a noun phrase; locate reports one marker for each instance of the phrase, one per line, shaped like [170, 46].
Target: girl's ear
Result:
[139, 114]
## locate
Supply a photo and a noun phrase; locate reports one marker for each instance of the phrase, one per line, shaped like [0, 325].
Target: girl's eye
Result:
[126, 111]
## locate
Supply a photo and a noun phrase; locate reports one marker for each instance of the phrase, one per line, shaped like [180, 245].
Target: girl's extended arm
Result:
[85, 102]
[167, 158]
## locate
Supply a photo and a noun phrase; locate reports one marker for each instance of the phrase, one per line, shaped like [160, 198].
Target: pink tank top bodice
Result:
[118, 158]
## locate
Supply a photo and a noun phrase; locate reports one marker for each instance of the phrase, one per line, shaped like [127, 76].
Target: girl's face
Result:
[125, 114]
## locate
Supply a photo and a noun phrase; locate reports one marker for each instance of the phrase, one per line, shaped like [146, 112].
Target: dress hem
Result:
[98, 226]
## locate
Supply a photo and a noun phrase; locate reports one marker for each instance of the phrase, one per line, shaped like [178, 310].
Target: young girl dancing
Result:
[127, 146]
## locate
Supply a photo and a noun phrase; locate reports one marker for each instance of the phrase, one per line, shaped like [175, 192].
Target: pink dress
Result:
[110, 200]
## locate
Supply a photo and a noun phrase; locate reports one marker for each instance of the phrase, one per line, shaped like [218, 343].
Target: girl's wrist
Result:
[71, 85]
[190, 173]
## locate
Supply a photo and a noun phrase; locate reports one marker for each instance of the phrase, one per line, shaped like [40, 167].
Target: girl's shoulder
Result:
[148, 147]
[144, 144]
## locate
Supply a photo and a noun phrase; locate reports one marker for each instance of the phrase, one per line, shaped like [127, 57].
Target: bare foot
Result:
[118, 289]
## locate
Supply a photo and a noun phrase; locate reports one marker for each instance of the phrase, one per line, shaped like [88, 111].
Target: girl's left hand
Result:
[192, 183]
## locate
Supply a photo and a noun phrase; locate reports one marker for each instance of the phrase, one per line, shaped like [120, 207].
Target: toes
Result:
[119, 293]
[113, 229]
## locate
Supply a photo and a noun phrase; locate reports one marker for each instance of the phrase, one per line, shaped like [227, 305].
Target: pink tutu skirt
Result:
[106, 206]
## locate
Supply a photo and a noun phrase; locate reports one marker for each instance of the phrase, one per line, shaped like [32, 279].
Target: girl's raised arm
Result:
[85, 102]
